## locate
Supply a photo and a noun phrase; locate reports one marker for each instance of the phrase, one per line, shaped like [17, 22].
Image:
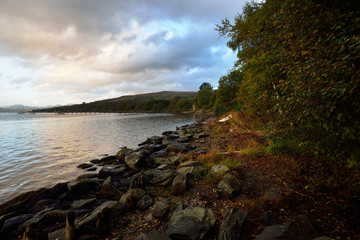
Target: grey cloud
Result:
[129, 39]
[49, 33]
[21, 80]
[156, 38]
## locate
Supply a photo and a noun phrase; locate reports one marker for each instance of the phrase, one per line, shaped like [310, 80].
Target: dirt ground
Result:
[282, 186]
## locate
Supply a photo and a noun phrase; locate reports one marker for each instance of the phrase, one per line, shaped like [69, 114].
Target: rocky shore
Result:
[148, 193]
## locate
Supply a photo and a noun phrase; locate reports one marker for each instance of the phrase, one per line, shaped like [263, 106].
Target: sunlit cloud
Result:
[88, 49]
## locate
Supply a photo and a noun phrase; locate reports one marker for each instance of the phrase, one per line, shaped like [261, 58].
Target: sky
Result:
[71, 51]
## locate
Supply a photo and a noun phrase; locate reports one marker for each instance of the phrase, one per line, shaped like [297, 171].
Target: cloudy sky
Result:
[70, 51]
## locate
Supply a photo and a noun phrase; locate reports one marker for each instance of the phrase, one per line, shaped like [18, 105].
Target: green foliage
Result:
[283, 145]
[204, 96]
[300, 65]
[228, 90]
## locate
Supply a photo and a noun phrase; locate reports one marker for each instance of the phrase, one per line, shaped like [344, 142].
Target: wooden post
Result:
[70, 226]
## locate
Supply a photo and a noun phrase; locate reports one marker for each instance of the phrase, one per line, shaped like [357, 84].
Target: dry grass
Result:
[211, 158]
[245, 122]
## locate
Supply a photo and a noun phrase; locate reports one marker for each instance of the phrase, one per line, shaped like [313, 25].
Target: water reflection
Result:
[45, 149]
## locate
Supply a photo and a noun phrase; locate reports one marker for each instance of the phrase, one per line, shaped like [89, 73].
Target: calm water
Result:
[41, 150]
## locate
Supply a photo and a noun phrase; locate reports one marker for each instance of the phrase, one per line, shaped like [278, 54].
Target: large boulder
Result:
[88, 222]
[83, 186]
[131, 197]
[179, 184]
[108, 191]
[186, 170]
[83, 204]
[137, 160]
[191, 223]
[120, 155]
[163, 179]
[45, 203]
[105, 160]
[160, 210]
[229, 186]
[50, 193]
[14, 222]
[300, 228]
[153, 235]
[145, 202]
[111, 170]
[219, 170]
[231, 226]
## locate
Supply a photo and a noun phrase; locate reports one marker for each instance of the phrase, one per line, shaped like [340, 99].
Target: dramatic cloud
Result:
[89, 49]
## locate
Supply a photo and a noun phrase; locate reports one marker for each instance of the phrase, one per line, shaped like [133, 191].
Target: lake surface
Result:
[40, 150]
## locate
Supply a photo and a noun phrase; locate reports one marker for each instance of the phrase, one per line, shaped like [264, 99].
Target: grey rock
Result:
[183, 140]
[88, 222]
[153, 235]
[186, 170]
[88, 175]
[45, 203]
[83, 186]
[83, 203]
[159, 160]
[147, 141]
[153, 172]
[163, 179]
[167, 142]
[57, 235]
[271, 233]
[14, 222]
[164, 166]
[108, 191]
[121, 154]
[136, 160]
[229, 186]
[172, 135]
[231, 226]
[160, 210]
[105, 160]
[139, 180]
[200, 135]
[131, 197]
[300, 228]
[323, 238]
[176, 147]
[145, 202]
[84, 165]
[50, 193]
[269, 219]
[175, 160]
[179, 184]
[92, 169]
[111, 170]
[161, 153]
[190, 164]
[156, 139]
[191, 223]
[219, 170]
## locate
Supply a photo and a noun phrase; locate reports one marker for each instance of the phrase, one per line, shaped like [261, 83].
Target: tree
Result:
[300, 61]
[204, 95]
[228, 89]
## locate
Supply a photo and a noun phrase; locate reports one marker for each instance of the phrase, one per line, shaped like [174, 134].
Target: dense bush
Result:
[300, 61]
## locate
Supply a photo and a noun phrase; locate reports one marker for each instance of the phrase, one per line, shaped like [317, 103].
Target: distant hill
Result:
[19, 107]
[148, 102]
[7, 110]
[165, 95]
